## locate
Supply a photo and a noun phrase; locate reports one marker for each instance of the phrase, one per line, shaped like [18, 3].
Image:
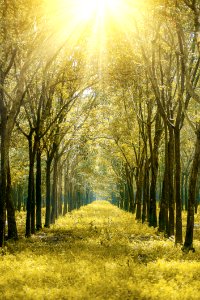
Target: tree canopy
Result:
[100, 99]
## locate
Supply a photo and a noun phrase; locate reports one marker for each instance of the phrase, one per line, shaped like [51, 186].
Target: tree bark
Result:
[12, 226]
[178, 235]
[4, 150]
[170, 181]
[38, 190]
[129, 179]
[163, 214]
[188, 244]
[154, 169]
[50, 156]
[126, 198]
[138, 196]
[48, 192]
[60, 190]
[65, 209]
[54, 211]
[166, 207]
[30, 215]
[186, 191]
[145, 193]
[70, 208]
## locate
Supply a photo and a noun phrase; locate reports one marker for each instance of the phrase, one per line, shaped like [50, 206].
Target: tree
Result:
[16, 60]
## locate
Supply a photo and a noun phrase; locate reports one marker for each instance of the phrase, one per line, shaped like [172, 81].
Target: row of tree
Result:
[46, 99]
[151, 111]
[123, 120]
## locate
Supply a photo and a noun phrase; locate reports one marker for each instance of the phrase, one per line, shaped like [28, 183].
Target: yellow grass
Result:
[99, 252]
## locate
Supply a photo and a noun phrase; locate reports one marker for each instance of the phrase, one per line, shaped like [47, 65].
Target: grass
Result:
[99, 252]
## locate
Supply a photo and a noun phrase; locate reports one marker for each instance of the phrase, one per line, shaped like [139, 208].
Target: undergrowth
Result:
[99, 252]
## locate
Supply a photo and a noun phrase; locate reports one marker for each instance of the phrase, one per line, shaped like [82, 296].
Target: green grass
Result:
[99, 252]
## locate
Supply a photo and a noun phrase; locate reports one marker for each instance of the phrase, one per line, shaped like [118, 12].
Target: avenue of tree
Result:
[111, 114]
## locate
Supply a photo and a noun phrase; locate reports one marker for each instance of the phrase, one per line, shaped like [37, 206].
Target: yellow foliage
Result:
[98, 252]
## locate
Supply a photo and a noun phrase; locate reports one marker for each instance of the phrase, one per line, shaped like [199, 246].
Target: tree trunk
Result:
[30, 215]
[126, 198]
[33, 227]
[166, 214]
[131, 195]
[182, 190]
[163, 214]
[129, 180]
[145, 193]
[60, 190]
[12, 227]
[186, 191]
[4, 151]
[197, 198]
[54, 211]
[65, 193]
[70, 198]
[170, 186]
[138, 197]
[48, 192]
[154, 170]
[188, 244]
[3, 181]
[38, 190]
[178, 236]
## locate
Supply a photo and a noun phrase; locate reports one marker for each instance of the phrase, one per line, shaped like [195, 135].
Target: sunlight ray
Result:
[93, 21]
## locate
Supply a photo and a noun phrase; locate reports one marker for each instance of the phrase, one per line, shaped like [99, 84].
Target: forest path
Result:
[98, 252]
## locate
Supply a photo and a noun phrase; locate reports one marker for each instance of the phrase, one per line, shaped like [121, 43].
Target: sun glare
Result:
[72, 18]
[85, 10]
[75, 15]
[96, 8]
[92, 20]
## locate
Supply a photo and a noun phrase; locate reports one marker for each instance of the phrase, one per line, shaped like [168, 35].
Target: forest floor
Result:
[99, 252]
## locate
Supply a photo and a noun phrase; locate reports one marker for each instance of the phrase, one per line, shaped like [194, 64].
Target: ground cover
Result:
[99, 252]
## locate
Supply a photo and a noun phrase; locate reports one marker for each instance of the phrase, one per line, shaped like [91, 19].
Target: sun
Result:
[80, 11]
[89, 26]
[97, 8]
[74, 13]
[91, 21]
[71, 17]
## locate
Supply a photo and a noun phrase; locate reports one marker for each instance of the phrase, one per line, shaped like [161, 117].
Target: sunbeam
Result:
[93, 21]
[73, 17]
